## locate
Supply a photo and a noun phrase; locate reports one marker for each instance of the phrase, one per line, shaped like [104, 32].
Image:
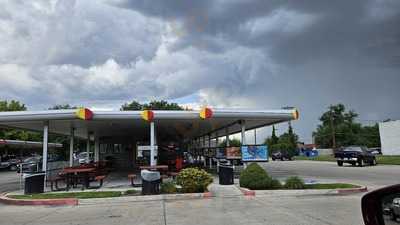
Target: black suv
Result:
[281, 155]
[355, 155]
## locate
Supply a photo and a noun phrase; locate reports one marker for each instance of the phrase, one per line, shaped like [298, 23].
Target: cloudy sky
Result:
[223, 53]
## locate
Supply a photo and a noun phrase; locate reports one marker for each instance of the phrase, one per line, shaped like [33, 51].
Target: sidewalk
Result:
[218, 190]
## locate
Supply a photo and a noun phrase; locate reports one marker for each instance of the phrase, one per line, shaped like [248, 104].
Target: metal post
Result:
[45, 149]
[209, 147]
[71, 147]
[243, 133]
[88, 147]
[227, 137]
[216, 145]
[96, 148]
[152, 153]
[255, 136]
[204, 155]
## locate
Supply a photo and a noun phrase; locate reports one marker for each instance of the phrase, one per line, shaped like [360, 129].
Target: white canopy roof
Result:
[172, 124]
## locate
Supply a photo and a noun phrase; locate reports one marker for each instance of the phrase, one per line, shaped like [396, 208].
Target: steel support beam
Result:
[71, 147]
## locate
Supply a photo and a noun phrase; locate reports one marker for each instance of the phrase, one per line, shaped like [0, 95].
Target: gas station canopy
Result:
[178, 125]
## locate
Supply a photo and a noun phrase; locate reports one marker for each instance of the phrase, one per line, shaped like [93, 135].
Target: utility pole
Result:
[332, 130]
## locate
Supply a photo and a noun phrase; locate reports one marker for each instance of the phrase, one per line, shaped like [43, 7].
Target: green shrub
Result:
[168, 187]
[275, 184]
[194, 180]
[255, 177]
[294, 183]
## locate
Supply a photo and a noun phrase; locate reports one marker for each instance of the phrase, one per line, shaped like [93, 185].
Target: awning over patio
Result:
[180, 126]
[173, 124]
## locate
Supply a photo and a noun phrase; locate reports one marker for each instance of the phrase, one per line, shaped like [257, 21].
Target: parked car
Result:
[30, 164]
[375, 151]
[395, 209]
[355, 155]
[83, 158]
[281, 155]
[9, 162]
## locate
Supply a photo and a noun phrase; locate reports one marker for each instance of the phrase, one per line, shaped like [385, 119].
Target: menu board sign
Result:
[233, 153]
[254, 153]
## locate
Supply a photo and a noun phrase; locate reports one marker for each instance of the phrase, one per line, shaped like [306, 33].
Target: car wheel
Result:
[374, 162]
[353, 163]
[360, 163]
[340, 163]
[273, 159]
[13, 168]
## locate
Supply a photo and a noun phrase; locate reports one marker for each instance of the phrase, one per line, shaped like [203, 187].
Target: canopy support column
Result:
[45, 149]
[203, 149]
[88, 147]
[209, 149]
[216, 145]
[227, 137]
[255, 136]
[71, 147]
[152, 147]
[96, 148]
[243, 134]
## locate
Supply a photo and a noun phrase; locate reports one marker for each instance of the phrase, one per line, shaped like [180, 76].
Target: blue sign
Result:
[220, 153]
[254, 153]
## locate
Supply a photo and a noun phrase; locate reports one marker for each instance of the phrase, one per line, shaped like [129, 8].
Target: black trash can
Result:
[34, 183]
[225, 175]
[150, 182]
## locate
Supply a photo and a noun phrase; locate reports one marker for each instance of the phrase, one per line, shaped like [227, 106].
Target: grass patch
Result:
[327, 158]
[131, 192]
[388, 159]
[80, 195]
[330, 186]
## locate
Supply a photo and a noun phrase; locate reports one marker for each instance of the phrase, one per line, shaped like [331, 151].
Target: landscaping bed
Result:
[254, 177]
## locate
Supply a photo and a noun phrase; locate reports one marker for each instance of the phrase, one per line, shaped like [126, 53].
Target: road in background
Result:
[371, 176]
[9, 181]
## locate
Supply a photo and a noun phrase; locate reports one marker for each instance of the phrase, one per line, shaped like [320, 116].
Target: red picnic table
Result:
[155, 168]
[75, 172]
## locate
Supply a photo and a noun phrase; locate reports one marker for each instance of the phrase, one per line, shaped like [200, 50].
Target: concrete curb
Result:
[48, 202]
[74, 201]
[247, 192]
[352, 190]
[346, 191]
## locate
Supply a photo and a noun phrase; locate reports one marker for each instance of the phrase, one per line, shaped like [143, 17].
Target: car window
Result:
[352, 149]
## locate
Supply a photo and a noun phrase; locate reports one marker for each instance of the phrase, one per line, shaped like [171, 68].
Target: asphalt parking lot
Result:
[340, 210]
[276, 210]
[9, 181]
[370, 176]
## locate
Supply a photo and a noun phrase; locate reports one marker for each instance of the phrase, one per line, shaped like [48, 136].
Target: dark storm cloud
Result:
[326, 51]
[236, 53]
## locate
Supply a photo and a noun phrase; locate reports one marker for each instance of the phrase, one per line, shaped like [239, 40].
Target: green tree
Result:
[66, 106]
[273, 140]
[153, 105]
[132, 106]
[341, 123]
[162, 105]
[232, 143]
[13, 105]
[285, 142]
[6, 133]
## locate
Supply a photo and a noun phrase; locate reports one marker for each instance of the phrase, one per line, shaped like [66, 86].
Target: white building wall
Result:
[390, 137]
